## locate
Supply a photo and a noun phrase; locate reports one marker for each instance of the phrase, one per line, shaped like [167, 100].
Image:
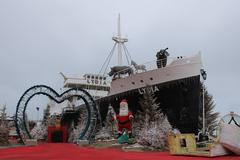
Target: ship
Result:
[174, 81]
[95, 84]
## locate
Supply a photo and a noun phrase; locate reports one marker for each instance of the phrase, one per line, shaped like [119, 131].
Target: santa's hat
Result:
[124, 101]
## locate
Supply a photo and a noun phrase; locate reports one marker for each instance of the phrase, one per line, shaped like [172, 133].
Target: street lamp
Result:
[204, 76]
[37, 108]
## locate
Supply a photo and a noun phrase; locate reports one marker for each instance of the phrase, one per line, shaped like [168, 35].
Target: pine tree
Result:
[210, 116]
[46, 114]
[150, 109]
[4, 131]
[3, 117]
[77, 128]
[40, 129]
[154, 124]
[110, 123]
[110, 126]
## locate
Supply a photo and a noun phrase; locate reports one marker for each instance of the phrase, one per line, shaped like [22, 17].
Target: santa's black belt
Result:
[124, 122]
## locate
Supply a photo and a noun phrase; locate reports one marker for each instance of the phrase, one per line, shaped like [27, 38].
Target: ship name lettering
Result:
[91, 81]
[151, 89]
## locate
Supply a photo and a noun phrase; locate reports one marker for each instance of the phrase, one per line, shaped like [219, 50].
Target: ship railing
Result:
[147, 66]
[155, 64]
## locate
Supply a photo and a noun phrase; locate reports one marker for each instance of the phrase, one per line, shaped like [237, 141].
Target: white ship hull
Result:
[178, 69]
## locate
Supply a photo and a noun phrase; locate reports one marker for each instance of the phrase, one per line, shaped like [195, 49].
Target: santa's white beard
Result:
[123, 112]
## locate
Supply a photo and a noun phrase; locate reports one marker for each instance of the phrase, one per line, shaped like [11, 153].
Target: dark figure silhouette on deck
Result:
[162, 58]
[118, 70]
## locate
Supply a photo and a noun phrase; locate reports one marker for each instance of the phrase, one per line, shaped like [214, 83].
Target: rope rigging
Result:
[107, 61]
[109, 57]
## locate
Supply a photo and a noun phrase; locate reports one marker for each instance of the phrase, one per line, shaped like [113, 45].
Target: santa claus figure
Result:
[124, 118]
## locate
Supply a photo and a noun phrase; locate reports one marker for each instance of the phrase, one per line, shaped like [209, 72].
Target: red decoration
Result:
[124, 118]
[125, 122]
[62, 132]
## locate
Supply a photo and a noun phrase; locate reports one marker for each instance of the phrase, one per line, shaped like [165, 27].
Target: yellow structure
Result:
[185, 144]
[182, 143]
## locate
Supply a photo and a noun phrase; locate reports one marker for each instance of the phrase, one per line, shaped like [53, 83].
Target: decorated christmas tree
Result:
[154, 125]
[77, 126]
[40, 129]
[110, 127]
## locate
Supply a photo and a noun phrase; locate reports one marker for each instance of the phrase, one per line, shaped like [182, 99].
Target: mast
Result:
[119, 40]
[119, 45]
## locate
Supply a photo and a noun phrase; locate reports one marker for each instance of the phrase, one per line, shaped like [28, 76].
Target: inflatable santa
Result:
[124, 118]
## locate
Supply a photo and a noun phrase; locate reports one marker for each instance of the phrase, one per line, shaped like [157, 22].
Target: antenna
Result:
[119, 41]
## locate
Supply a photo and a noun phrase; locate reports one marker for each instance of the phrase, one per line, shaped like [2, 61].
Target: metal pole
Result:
[37, 116]
[37, 113]
[203, 109]
[120, 43]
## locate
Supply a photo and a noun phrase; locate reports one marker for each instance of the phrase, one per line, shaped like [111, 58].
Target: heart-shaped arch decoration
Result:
[87, 132]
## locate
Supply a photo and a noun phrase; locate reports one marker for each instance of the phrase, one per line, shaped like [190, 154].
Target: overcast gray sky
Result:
[40, 38]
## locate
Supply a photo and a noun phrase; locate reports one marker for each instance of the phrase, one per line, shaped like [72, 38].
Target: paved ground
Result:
[61, 151]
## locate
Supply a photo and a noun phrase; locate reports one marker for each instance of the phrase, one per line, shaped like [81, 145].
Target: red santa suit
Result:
[124, 118]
